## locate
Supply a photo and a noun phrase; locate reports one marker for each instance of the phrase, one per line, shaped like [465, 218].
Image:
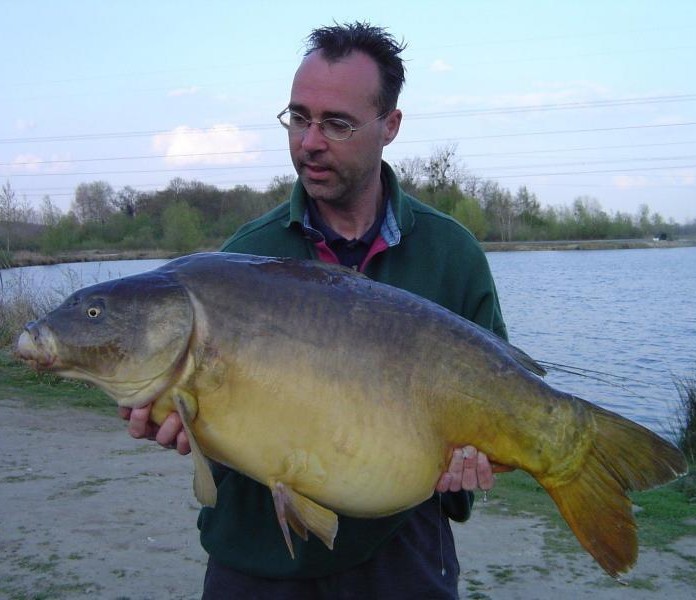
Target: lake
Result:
[629, 316]
[626, 318]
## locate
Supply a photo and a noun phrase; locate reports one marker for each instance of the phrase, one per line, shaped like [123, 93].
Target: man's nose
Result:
[313, 139]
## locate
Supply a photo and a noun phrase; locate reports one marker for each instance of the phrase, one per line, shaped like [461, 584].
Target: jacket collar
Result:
[399, 204]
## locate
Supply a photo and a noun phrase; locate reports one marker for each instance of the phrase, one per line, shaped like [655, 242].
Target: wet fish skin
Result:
[342, 394]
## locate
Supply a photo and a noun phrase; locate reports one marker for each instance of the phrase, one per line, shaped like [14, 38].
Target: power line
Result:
[414, 116]
[464, 138]
[132, 134]
[279, 166]
[589, 162]
[545, 38]
[560, 132]
[557, 106]
[142, 171]
[486, 169]
[593, 172]
[68, 161]
[488, 42]
[137, 157]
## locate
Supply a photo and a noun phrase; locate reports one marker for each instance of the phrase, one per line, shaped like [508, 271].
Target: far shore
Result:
[25, 258]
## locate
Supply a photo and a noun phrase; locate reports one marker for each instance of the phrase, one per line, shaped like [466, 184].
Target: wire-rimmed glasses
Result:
[333, 128]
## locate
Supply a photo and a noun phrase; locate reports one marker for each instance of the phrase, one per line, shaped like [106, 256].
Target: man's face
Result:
[338, 172]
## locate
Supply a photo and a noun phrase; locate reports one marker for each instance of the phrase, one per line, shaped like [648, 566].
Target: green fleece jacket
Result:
[420, 250]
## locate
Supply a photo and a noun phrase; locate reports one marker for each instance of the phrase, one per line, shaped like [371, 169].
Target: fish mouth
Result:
[34, 353]
[38, 364]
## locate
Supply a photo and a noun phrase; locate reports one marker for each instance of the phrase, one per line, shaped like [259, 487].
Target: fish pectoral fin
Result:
[203, 482]
[303, 515]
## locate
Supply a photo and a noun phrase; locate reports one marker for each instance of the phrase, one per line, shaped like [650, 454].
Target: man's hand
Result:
[170, 434]
[469, 469]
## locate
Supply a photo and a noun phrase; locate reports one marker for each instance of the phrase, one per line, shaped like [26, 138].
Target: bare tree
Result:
[50, 213]
[499, 207]
[443, 169]
[94, 202]
[410, 172]
[127, 200]
[8, 211]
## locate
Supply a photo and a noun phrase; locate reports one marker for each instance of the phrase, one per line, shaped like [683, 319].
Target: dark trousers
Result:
[409, 566]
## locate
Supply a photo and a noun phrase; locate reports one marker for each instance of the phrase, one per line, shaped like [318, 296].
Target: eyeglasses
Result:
[332, 128]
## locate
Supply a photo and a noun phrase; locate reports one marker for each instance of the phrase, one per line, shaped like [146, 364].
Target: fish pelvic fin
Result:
[203, 483]
[302, 515]
[624, 457]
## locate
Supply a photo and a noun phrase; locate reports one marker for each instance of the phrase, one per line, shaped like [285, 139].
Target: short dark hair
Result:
[338, 41]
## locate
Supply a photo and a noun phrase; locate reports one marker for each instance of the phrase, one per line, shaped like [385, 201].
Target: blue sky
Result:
[569, 98]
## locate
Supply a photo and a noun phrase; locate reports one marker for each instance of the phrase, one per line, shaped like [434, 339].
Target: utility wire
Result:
[66, 161]
[414, 116]
[279, 166]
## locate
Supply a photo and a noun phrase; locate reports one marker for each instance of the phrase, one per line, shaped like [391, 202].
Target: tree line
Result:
[188, 215]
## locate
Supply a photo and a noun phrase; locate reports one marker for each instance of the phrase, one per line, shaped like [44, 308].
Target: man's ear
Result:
[392, 122]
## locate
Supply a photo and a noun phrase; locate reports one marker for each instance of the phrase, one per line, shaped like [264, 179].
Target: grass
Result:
[48, 584]
[43, 390]
[663, 514]
[20, 303]
[22, 299]
[685, 419]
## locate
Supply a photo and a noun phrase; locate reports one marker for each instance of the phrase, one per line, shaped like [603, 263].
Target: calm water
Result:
[59, 281]
[628, 316]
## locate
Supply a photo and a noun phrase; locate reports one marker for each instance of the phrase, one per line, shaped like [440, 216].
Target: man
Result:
[347, 208]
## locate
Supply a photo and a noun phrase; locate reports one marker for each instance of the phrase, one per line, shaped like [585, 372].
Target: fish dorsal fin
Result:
[203, 482]
[527, 361]
[514, 352]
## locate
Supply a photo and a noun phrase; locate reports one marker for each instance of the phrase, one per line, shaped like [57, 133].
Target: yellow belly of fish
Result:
[352, 455]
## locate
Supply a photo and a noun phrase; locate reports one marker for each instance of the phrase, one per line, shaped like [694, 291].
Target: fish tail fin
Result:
[624, 457]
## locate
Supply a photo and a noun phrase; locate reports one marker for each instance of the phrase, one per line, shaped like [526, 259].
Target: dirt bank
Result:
[88, 512]
[23, 258]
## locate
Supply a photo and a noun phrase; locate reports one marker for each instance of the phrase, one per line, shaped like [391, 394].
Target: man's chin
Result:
[319, 189]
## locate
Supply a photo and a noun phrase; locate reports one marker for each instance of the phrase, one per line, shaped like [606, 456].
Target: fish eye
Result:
[94, 311]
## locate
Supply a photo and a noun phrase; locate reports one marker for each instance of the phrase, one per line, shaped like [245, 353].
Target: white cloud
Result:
[440, 66]
[221, 144]
[540, 94]
[31, 163]
[628, 182]
[188, 91]
[685, 177]
[26, 163]
[24, 124]
[669, 120]
[60, 163]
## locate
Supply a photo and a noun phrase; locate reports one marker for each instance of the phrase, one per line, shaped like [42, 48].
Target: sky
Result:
[594, 99]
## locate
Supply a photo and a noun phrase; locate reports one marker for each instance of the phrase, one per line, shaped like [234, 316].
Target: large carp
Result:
[344, 395]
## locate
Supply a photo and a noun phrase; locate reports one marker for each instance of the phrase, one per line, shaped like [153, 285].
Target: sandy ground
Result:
[87, 512]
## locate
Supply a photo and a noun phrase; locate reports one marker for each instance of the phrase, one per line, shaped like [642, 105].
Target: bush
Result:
[181, 225]
[64, 235]
[685, 433]
[686, 418]
[19, 305]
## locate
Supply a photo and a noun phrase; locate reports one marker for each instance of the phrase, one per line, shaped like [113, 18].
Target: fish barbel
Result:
[344, 395]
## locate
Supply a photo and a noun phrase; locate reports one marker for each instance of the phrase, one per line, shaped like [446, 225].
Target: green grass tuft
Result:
[44, 390]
